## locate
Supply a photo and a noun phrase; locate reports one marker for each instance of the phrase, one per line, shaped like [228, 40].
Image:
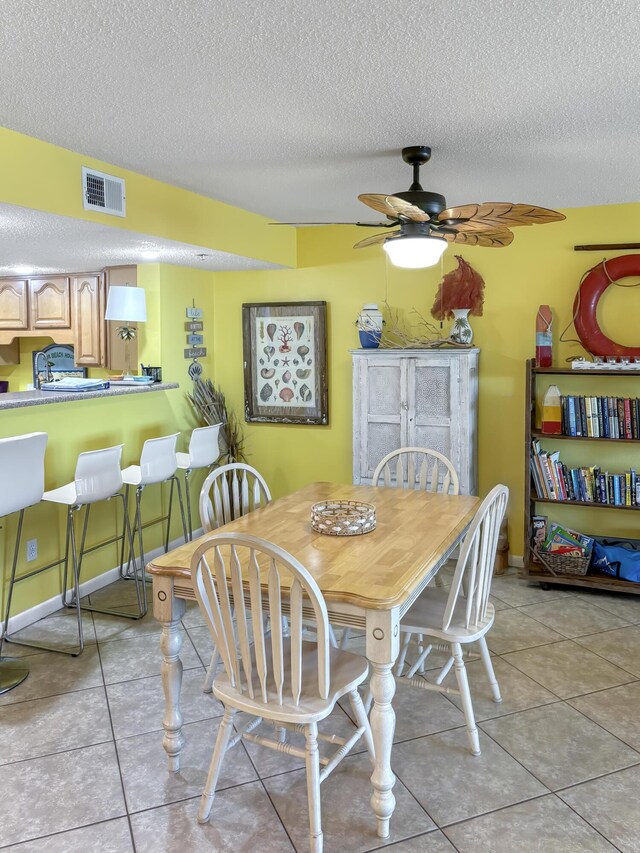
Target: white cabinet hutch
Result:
[416, 398]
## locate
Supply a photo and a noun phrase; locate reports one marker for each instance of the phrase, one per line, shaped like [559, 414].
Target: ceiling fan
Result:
[425, 225]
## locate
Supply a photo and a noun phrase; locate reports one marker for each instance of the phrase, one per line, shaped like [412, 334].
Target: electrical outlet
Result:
[32, 550]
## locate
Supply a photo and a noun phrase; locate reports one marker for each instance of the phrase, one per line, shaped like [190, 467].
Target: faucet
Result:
[47, 375]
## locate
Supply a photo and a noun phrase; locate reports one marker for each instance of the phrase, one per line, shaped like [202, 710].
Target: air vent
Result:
[103, 192]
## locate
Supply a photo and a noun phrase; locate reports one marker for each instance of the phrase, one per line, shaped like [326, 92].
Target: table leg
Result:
[169, 610]
[382, 651]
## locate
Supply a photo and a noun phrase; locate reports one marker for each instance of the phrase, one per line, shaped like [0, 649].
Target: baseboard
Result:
[46, 608]
[516, 561]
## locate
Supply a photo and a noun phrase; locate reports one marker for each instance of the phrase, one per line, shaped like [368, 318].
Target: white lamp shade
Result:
[126, 304]
[415, 252]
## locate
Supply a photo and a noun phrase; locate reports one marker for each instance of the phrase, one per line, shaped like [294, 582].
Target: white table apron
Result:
[382, 630]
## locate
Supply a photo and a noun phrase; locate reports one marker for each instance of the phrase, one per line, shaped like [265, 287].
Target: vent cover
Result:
[104, 193]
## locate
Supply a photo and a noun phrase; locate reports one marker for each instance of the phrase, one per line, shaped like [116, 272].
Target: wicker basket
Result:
[563, 564]
[343, 518]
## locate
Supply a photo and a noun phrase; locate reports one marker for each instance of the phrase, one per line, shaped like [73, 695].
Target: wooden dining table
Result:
[368, 581]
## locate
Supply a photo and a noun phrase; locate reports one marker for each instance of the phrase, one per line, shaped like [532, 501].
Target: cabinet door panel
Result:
[383, 412]
[13, 304]
[435, 415]
[50, 303]
[89, 322]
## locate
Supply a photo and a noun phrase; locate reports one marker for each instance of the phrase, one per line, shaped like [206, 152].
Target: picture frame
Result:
[285, 362]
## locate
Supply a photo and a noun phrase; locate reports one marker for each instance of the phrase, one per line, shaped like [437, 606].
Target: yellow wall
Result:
[46, 177]
[539, 267]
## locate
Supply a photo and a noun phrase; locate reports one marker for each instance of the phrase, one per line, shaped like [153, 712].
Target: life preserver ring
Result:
[586, 304]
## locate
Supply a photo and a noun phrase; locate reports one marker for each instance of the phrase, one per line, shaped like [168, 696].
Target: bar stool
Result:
[158, 464]
[22, 466]
[203, 452]
[97, 478]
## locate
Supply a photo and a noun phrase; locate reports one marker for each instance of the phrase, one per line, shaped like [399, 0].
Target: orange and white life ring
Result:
[585, 305]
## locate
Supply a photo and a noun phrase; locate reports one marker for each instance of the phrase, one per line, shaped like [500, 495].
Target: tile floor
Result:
[82, 766]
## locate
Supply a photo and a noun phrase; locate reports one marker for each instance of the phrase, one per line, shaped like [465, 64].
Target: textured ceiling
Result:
[291, 107]
[46, 243]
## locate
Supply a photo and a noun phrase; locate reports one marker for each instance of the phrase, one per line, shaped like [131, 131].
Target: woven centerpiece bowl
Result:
[343, 518]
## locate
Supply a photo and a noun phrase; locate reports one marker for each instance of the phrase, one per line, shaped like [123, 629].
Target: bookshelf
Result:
[533, 570]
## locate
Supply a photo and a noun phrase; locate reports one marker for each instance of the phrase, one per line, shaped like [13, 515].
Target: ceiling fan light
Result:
[414, 252]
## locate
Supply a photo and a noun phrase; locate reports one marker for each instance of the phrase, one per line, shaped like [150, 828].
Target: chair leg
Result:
[403, 652]
[140, 542]
[465, 696]
[181, 505]
[168, 536]
[486, 660]
[222, 741]
[312, 760]
[187, 492]
[360, 714]
[211, 672]
[125, 501]
[346, 633]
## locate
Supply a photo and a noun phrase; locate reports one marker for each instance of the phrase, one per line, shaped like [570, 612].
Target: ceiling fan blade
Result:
[496, 214]
[372, 241]
[359, 224]
[493, 239]
[394, 207]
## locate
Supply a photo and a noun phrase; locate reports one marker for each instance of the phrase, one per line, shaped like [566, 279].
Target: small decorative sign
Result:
[195, 352]
[195, 340]
[194, 313]
[194, 326]
[61, 363]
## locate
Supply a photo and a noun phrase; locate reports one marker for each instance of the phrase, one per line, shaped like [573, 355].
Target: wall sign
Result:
[195, 352]
[61, 361]
[194, 326]
[195, 340]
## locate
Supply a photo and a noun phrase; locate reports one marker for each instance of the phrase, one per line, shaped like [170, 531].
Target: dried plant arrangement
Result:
[211, 408]
[463, 287]
[399, 333]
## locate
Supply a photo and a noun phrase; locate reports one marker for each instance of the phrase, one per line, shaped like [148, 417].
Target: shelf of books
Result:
[554, 551]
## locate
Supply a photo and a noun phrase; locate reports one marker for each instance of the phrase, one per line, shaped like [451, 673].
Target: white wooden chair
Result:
[463, 614]
[227, 493]
[288, 681]
[414, 468]
[417, 468]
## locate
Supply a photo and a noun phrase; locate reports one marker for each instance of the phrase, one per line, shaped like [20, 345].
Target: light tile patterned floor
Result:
[82, 766]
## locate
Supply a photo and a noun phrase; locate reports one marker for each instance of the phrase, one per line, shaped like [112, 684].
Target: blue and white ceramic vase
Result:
[369, 325]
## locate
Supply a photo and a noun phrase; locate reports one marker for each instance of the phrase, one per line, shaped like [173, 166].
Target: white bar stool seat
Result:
[204, 450]
[158, 464]
[22, 465]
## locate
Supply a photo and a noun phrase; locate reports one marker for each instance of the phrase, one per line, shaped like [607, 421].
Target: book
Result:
[587, 405]
[583, 416]
[538, 534]
[620, 407]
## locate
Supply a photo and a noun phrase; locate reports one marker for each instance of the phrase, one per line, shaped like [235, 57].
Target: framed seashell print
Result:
[285, 362]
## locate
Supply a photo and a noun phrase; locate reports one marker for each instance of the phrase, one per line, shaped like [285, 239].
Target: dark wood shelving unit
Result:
[534, 571]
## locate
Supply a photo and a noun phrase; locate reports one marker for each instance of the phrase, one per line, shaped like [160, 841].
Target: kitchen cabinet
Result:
[49, 303]
[89, 324]
[14, 304]
[415, 398]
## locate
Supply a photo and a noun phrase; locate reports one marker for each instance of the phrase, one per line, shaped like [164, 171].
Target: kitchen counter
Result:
[22, 399]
